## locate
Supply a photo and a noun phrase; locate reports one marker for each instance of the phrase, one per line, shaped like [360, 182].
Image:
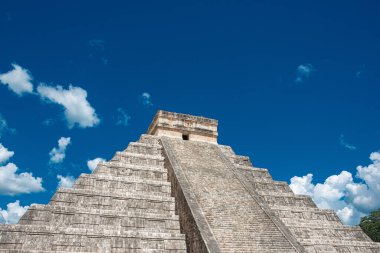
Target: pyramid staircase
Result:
[125, 205]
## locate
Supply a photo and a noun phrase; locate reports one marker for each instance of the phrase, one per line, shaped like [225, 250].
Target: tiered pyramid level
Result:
[125, 205]
[315, 229]
[177, 190]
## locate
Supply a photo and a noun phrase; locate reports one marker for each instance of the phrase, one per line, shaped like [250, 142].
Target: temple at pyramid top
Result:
[184, 126]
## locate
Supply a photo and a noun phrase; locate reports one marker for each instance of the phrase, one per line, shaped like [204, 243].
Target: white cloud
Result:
[12, 183]
[146, 99]
[351, 200]
[57, 155]
[5, 154]
[77, 109]
[345, 144]
[65, 182]
[302, 185]
[122, 118]
[94, 162]
[4, 128]
[13, 213]
[304, 72]
[18, 80]
[349, 215]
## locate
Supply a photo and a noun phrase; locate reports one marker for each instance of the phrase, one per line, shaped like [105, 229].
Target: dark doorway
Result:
[185, 137]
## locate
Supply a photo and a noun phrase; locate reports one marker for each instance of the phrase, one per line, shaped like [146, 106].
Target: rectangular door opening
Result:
[185, 137]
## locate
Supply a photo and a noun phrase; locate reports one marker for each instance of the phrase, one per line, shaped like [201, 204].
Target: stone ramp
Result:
[125, 205]
[222, 206]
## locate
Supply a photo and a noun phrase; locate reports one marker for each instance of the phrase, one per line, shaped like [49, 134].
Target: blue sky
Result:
[294, 85]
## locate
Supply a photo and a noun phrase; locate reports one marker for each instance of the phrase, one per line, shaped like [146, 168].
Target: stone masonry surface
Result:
[168, 193]
[125, 205]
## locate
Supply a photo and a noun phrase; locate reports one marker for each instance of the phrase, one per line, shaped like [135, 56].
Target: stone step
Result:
[294, 214]
[112, 250]
[255, 172]
[341, 233]
[138, 213]
[297, 200]
[324, 248]
[105, 182]
[126, 165]
[283, 208]
[119, 169]
[108, 200]
[294, 222]
[279, 193]
[227, 150]
[340, 242]
[144, 148]
[309, 215]
[139, 159]
[272, 188]
[53, 216]
[241, 161]
[149, 139]
[50, 238]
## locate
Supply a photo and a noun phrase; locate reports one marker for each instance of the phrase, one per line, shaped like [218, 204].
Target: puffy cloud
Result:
[5, 154]
[57, 155]
[351, 200]
[122, 118]
[12, 183]
[349, 215]
[146, 99]
[65, 182]
[302, 185]
[345, 144]
[18, 80]
[304, 72]
[4, 128]
[77, 109]
[13, 213]
[94, 162]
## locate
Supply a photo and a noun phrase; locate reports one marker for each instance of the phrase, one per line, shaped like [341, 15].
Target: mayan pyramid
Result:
[177, 190]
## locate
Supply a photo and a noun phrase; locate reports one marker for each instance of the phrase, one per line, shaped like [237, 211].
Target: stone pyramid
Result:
[177, 190]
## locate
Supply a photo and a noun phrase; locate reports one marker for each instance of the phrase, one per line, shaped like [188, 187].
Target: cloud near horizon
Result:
[13, 213]
[350, 200]
[65, 182]
[18, 80]
[77, 110]
[94, 162]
